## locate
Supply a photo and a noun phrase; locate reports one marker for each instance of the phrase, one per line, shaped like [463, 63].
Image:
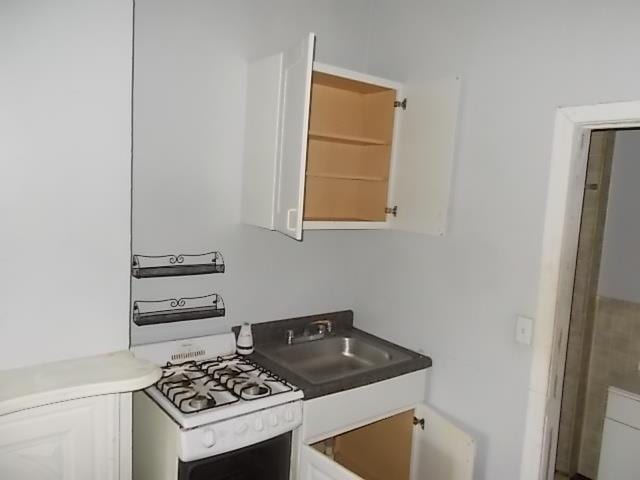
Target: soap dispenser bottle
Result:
[244, 343]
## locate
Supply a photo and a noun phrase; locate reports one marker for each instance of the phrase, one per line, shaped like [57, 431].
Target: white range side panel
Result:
[70, 440]
[423, 167]
[264, 100]
[297, 71]
[441, 451]
[155, 441]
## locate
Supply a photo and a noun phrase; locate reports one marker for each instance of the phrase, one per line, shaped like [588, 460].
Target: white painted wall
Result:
[457, 297]
[65, 131]
[190, 73]
[620, 268]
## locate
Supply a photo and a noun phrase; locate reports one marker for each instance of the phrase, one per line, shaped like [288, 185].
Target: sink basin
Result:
[334, 357]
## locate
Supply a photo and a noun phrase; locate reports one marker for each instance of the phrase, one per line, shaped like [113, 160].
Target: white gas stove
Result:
[216, 401]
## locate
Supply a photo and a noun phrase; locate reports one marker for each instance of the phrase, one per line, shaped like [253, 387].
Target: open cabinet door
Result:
[316, 466]
[441, 451]
[294, 128]
[424, 162]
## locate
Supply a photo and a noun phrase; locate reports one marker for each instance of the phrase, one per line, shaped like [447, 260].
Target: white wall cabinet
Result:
[329, 148]
[73, 440]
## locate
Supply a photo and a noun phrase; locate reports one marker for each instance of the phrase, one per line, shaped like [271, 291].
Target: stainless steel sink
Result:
[333, 357]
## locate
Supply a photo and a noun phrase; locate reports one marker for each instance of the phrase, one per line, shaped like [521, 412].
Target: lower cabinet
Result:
[620, 451]
[78, 439]
[417, 444]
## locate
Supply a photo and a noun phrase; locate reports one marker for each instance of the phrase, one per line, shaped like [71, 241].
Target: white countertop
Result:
[628, 386]
[118, 372]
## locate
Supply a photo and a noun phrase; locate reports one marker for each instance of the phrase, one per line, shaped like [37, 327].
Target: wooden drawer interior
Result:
[378, 451]
[349, 152]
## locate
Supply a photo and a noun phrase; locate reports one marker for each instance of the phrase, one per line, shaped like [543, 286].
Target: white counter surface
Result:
[38, 385]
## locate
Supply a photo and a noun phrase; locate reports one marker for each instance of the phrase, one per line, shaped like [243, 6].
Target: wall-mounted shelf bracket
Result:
[145, 266]
[172, 310]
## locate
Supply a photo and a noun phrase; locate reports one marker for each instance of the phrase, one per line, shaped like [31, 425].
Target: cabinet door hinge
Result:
[393, 211]
[419, 421]
[401, 104]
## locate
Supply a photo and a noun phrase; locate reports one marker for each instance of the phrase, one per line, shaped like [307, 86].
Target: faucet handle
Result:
[323, 326]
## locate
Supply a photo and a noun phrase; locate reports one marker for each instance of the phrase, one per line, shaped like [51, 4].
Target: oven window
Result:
[268, 460]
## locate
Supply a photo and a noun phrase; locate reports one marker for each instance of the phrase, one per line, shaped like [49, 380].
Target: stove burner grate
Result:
[196, 386]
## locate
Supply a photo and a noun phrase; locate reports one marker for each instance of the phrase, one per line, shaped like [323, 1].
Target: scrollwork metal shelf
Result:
[173, 310]
[146, 266]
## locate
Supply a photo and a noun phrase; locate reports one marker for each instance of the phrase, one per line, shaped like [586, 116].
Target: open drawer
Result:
[417, 444]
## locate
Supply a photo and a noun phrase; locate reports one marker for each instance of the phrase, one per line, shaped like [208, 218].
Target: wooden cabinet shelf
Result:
[364, 178]
[342, 138]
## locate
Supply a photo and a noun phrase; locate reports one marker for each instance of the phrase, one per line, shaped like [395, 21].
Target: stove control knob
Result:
[241, 428]
[273, 420]
[259, 424]
[288, 415]
[209, 438]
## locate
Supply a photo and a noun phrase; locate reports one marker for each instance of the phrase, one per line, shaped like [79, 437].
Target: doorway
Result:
[572, 134]
[603, 346]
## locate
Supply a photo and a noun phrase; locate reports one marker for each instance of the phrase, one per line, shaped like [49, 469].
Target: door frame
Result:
[573, 126]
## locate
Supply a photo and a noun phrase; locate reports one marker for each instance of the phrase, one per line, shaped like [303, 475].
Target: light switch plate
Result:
[524, 330]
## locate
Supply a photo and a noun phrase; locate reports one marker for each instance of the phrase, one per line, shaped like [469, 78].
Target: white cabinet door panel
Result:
[74, 440]
[316, 466]
[262, 130]
[423, 167]
[441, 451]
[294, 128]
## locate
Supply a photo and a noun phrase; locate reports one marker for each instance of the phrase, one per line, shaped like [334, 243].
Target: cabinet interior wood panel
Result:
[378, 451]
[349, 150]
[345, 199]
[347, 159]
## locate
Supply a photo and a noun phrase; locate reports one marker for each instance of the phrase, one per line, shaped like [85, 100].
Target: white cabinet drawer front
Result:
[623, 409]
[336, 413]
[73, 440]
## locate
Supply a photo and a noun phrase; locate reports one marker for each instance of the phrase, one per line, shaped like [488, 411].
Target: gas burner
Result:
[226, 372]
[199, 402]
[251, 390]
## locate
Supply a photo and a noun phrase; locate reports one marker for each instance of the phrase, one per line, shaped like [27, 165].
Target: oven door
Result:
[268, 460]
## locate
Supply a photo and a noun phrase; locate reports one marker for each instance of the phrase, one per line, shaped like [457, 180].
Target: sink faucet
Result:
[321, 326]
[314, 331]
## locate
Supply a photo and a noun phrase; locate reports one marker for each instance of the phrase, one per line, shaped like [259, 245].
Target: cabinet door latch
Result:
[401, 104]
[392, 211]
[419, 421]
